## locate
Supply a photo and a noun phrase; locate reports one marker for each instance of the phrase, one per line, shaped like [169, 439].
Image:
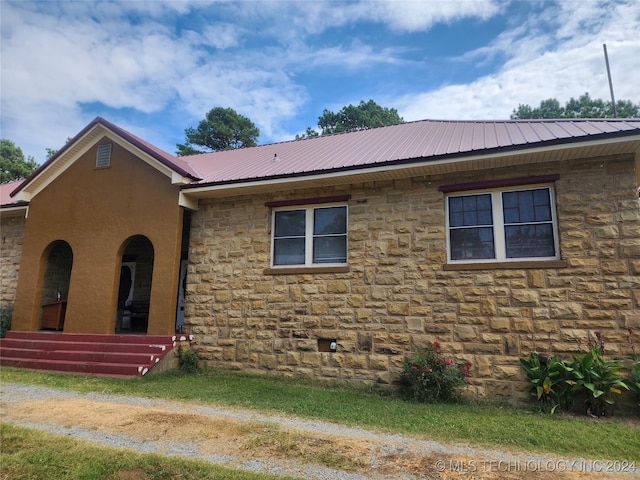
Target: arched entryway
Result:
[134, 290]
[55, 285]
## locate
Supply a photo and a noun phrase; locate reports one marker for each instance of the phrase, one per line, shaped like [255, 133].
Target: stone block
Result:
[358, 362]
[525, 298]
[502, 372]
[499, 324]
[521, 325]
[566, 310]
[379, 362]
[414, 325]
[310, 359]
[270, 362]
[488, 306]
[465, 333]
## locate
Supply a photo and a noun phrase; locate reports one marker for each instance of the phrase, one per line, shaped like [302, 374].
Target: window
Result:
[310, 236]
[502, 225]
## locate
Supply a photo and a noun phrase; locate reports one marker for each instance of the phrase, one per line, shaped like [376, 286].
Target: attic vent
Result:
[103, 156]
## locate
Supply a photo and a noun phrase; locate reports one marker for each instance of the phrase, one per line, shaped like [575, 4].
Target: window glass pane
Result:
[290, 223]
[483, 202]
[330, 220]
[470, 218]
[288, 251]
[330, 249]
[469, 203]
[523, 241]
[456, 219]
[472, 243]
[470, 210]
[527, 206]
[455, 204]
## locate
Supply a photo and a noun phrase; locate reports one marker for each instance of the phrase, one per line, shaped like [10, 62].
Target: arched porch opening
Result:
[134, 289]
[55, 285]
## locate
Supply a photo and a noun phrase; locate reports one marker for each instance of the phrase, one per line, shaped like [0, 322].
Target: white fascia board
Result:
[145, 157]
[17, 211]
[177, 179]
[23, 196]
[188, 201]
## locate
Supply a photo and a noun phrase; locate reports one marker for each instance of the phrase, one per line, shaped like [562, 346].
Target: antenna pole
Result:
[613, 100]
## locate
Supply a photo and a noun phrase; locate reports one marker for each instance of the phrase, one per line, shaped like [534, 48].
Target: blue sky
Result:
[155, 67]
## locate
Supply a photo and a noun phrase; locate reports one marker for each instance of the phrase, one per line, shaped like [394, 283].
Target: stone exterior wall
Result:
[12, 233]
[397, 297]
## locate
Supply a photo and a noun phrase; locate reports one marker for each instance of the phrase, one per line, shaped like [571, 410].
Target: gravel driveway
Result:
[246, 440]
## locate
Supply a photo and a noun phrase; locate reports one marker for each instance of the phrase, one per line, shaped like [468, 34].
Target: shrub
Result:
[430, 377]
[6, 313]
[551, 381]
[633, 382]
[554, 382]
[188, 359]
[597, 377]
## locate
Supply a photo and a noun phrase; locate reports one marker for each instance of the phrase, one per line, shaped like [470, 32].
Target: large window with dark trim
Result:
[309, 236]
[502, 225]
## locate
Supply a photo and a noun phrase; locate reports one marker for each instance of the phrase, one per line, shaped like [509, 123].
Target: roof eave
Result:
[194, 189]
[14, 210]
[179, 175]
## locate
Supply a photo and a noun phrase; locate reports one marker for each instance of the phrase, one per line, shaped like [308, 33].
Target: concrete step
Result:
[112, 355]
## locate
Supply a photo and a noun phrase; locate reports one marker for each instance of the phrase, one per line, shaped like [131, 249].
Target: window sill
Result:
[506, 265]
[300, 270]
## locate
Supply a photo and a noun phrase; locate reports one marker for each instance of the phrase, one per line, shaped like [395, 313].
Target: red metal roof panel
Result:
[412, 140]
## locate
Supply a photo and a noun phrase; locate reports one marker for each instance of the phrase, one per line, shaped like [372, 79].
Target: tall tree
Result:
[583, 107]
[354, 117]
[13, 165]
[221, 129]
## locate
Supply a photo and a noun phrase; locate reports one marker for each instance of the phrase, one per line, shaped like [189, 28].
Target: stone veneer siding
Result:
[11, 233]
[397, 297]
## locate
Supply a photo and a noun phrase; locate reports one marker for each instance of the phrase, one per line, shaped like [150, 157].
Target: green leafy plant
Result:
[551, 381]
[633, 382]
[430, 377]
[188, 359]
[597, 377]
[6, 313]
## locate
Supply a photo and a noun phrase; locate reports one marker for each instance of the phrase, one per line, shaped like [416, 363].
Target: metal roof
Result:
[404, 144]
[5, 193]
[421, 140]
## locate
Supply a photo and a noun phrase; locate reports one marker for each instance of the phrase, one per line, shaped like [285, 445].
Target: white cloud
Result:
[413, 15]
[561, 64]
[179, 59]
[221, 35]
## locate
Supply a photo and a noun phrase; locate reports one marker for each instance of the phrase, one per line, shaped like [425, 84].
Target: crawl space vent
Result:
[103, 156]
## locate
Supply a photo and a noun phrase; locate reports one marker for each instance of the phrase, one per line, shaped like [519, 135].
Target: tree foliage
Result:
[221, 129]
[352, 118]
[13, 165]
[583, 107]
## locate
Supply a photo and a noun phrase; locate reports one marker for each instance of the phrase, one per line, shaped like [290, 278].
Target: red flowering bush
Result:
[430, 377]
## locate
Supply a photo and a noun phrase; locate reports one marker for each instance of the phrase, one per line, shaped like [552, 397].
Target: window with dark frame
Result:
[309, 236]
[506, 224]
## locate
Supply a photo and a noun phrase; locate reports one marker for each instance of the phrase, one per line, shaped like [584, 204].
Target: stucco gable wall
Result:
[397, 297]
[96, 210]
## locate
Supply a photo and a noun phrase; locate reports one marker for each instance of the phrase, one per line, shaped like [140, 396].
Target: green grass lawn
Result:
[478, 424]
[34, 455]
